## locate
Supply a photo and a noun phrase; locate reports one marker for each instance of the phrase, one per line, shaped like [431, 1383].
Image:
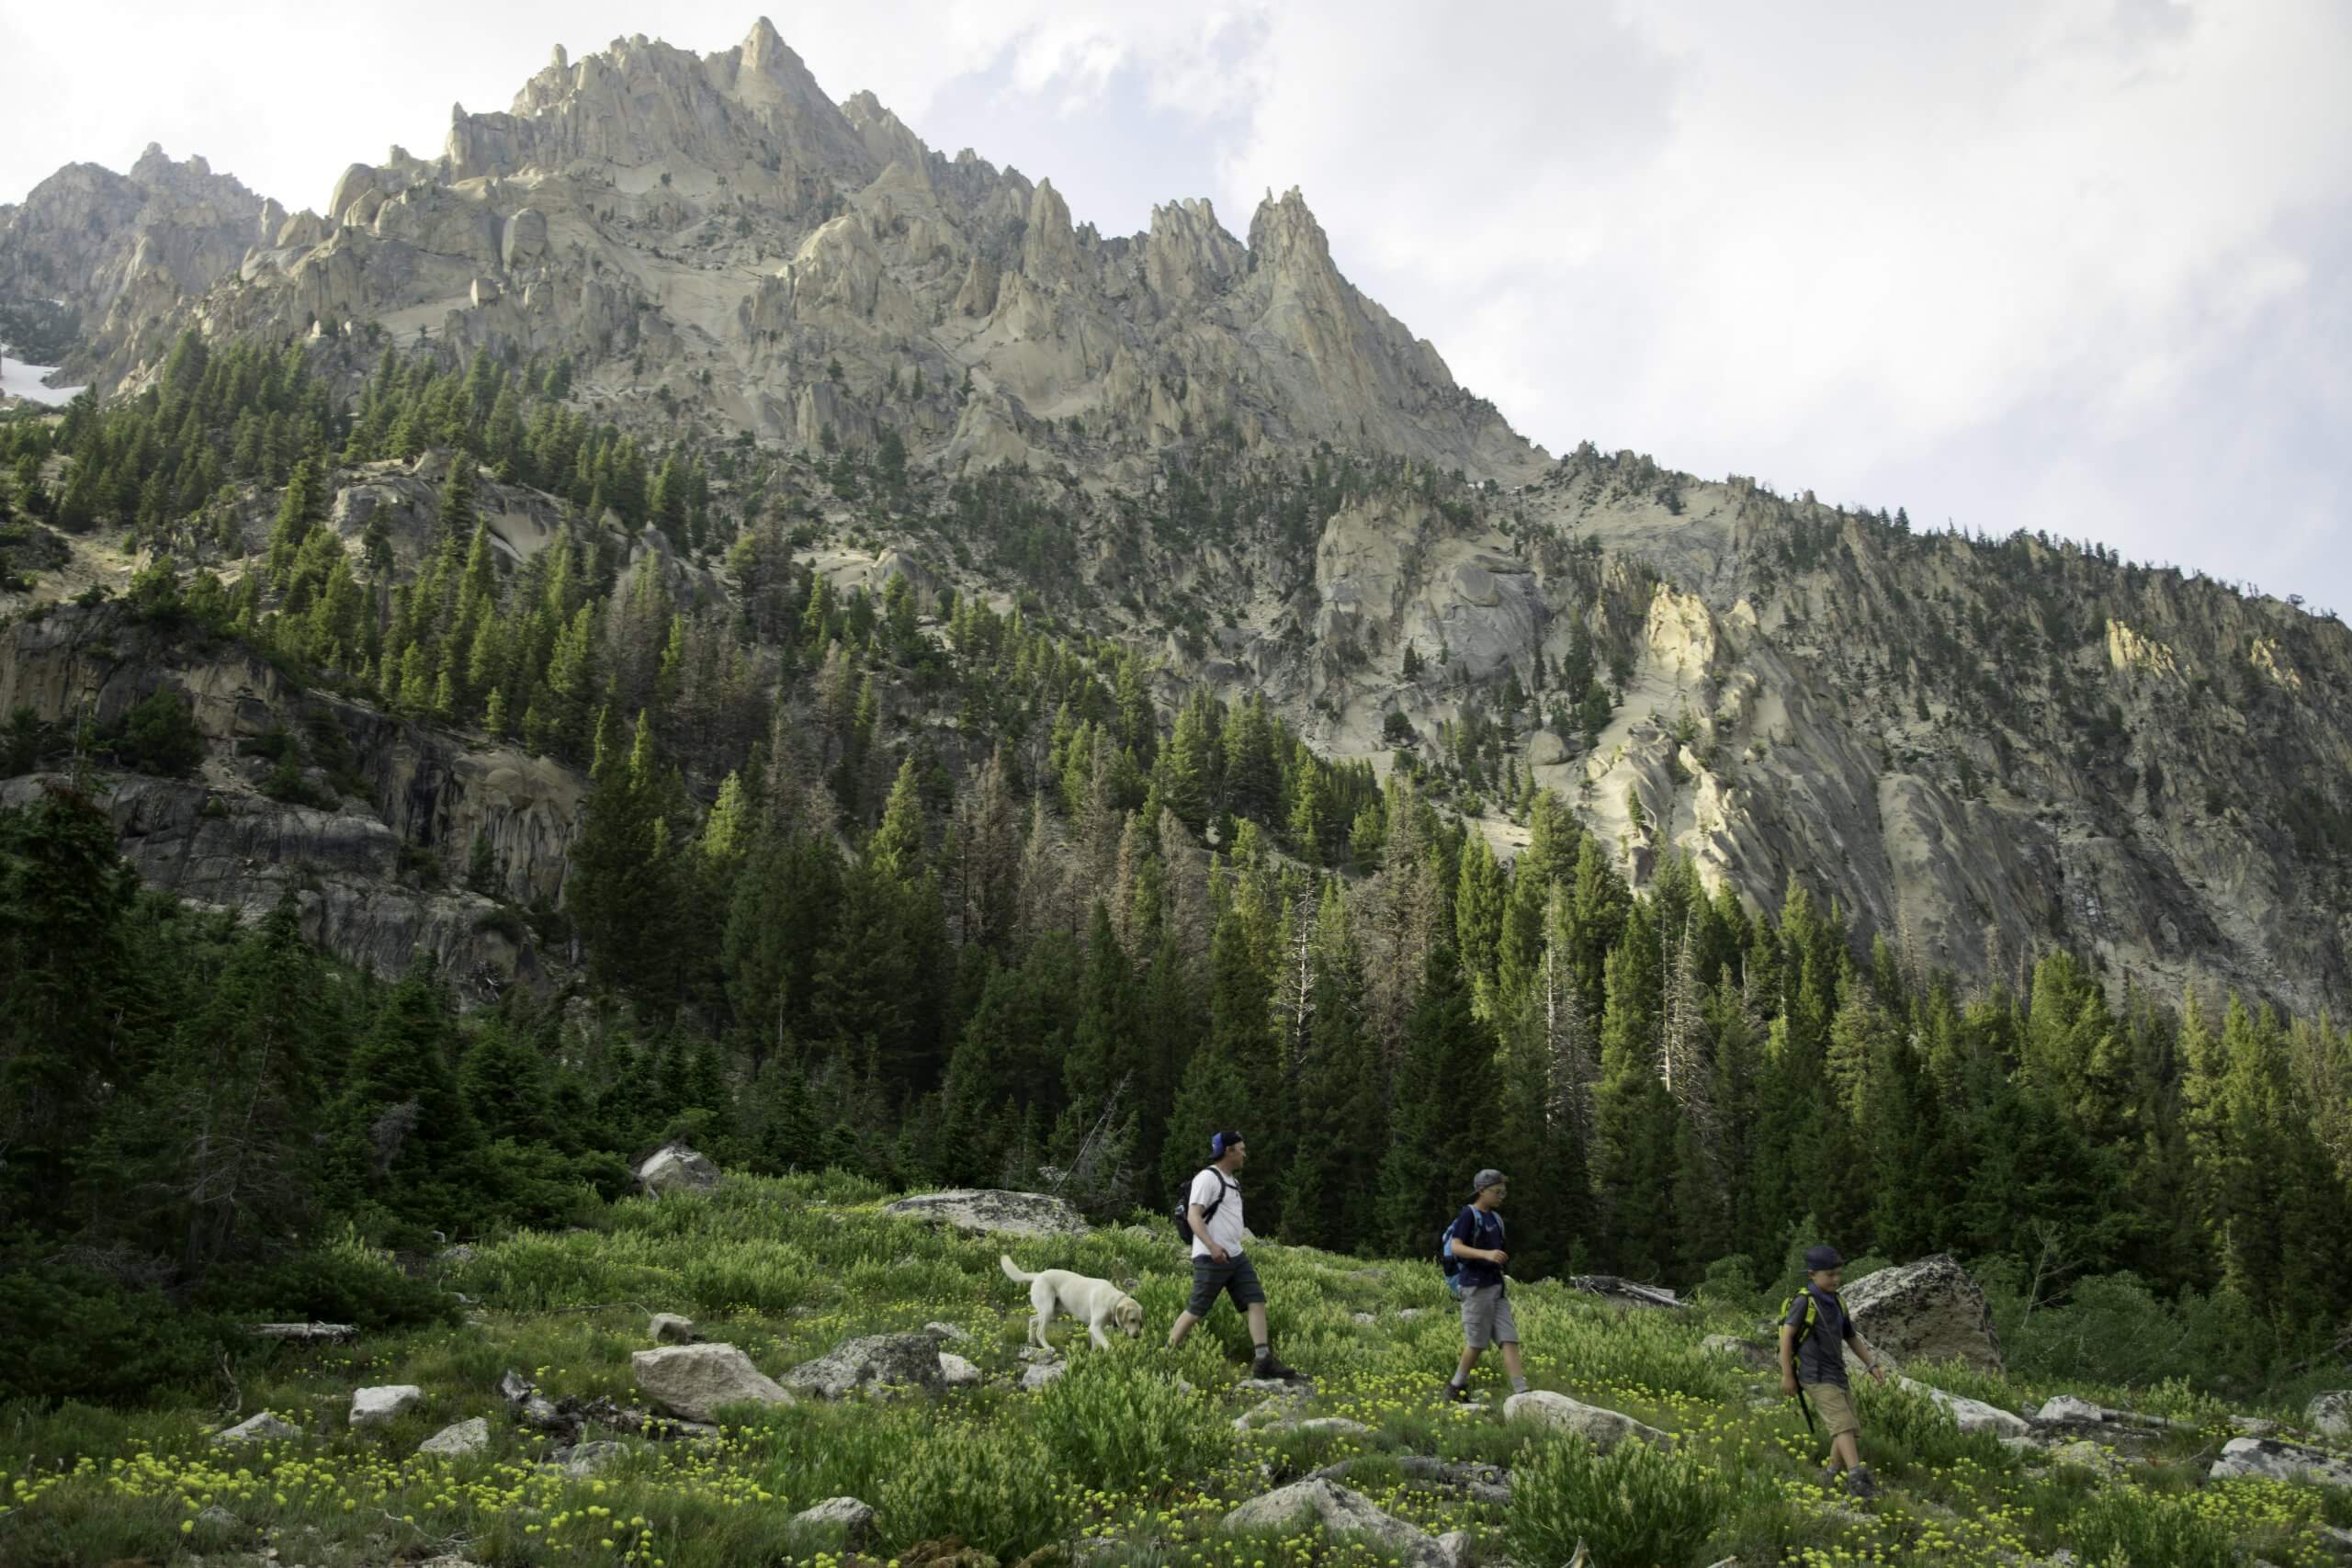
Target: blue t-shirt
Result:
[1483, 1229]
[1821, 1355]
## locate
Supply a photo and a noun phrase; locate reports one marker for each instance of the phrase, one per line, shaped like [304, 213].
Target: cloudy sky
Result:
[2083, 265]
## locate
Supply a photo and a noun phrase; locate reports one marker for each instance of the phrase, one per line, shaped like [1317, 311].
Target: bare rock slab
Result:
[2268, 1460]
[1974, 1414]
[462, 1437]
[373, 1406]
[669, 1328]
[1603, 1428]
[693, 1381]
[1339, 1512]
[907, 1362]
[262, 1428]
[994, 1212]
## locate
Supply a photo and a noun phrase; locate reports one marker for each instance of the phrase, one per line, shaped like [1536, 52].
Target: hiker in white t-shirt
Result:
[1212, 1213]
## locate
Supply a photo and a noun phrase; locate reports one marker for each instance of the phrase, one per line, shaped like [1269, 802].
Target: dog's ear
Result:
[1131, 1315]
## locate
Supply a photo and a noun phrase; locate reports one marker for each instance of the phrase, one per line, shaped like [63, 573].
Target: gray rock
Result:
[1627, 1293]
[525, 239]
[694, 1380]
[1974, 1414]
[1340, 1512]
[593, 1459]
[463, 1437]
[1037, 1376]
[1452, 1547]
[955, 1372]
[994, 1212]
[1296, 1389]
[1364, 1318]
[217, 1517]
[878, 1362]
[2083, 1454]
[669, 1328]
[1926, 1311]
[453, 1256]
[2330, 1414]
[1604, 1428]
[675, 1168]
[2269, 1460]
[262, 1428]
[1407, 1314]
[946, 1331]
[1762, 1357]
[2069, 1408]
[373, 1406]
[855, 1519]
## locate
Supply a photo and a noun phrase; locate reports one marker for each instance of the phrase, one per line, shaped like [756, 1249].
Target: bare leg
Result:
[1511, 1361]
[1258, 1324]
[1469, 1364]
[1182, 1327]
[1844, 1452]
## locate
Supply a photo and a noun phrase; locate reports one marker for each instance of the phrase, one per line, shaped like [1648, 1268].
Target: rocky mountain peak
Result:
[1284, 235]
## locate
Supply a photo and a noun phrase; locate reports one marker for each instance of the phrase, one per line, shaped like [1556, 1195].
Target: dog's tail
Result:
[1011, 1273]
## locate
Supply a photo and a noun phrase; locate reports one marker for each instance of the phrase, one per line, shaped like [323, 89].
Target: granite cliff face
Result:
[1980, 748]
[125, 251]
[786, 265]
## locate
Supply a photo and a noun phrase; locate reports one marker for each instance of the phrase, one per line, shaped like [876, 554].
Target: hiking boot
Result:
[1270, 1366]
[1860, 1483]
[1457, 1394]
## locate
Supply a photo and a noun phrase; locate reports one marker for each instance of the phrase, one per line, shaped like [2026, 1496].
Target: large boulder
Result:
[878, 1362]
[524, 237]
[855, 1519]
[1340, 1511]
[673, 1167]
[1627, 1293]
[2267, 1459]
[1603, 1428]
[993, 1211]
[2330, 1414]
[1926, 1311]
[955, 1372]
[1974, 1414]
[694, 1380]
[373, 1406]
[262, 1428]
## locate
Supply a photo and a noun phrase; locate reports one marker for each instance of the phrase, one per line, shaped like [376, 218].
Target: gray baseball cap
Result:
[1485, 1179]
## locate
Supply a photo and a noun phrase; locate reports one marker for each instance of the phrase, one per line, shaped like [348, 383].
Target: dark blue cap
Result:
[1816, 1258]
[1220, 1142]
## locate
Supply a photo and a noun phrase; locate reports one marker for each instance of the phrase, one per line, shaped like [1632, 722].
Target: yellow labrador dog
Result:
[1059, 1293]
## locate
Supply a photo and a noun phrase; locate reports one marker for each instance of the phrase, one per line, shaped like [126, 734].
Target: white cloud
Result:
[2068, 263]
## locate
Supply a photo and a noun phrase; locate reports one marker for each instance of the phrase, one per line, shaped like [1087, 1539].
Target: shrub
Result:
[1908, 1432]
[1112, 1426]
[159, 735]
[2133, 1525]
[340, 1283]
[988, 1485]
[74, 1334]
[1635, 1504]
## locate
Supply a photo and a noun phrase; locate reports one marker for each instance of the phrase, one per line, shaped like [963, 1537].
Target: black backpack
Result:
[1185, 1221]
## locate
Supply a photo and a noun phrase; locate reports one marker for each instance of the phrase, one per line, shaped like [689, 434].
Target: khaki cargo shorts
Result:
[1486, 1319]
[1835, 1408]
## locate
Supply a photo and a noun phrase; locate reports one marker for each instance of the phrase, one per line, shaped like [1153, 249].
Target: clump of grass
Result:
[1111, 1425]
[1633, 1505]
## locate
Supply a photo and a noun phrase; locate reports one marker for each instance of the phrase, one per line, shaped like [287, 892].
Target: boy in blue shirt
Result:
[1477, 1238]
[1816, 1364]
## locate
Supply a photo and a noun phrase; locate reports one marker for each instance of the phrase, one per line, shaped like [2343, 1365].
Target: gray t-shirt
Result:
[1821, 1355]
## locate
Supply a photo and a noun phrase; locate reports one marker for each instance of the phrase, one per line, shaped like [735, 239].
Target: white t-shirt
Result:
[1225, 1224]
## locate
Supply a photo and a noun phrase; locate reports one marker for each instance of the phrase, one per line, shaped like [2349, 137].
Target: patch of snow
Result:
[20, 379]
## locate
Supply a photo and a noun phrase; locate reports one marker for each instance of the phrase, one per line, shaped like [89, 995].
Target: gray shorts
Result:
[1486, 1319]
[1234, 1277]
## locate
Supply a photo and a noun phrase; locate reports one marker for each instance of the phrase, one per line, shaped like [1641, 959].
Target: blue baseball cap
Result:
[1220, 1142]
[1818, 1258]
